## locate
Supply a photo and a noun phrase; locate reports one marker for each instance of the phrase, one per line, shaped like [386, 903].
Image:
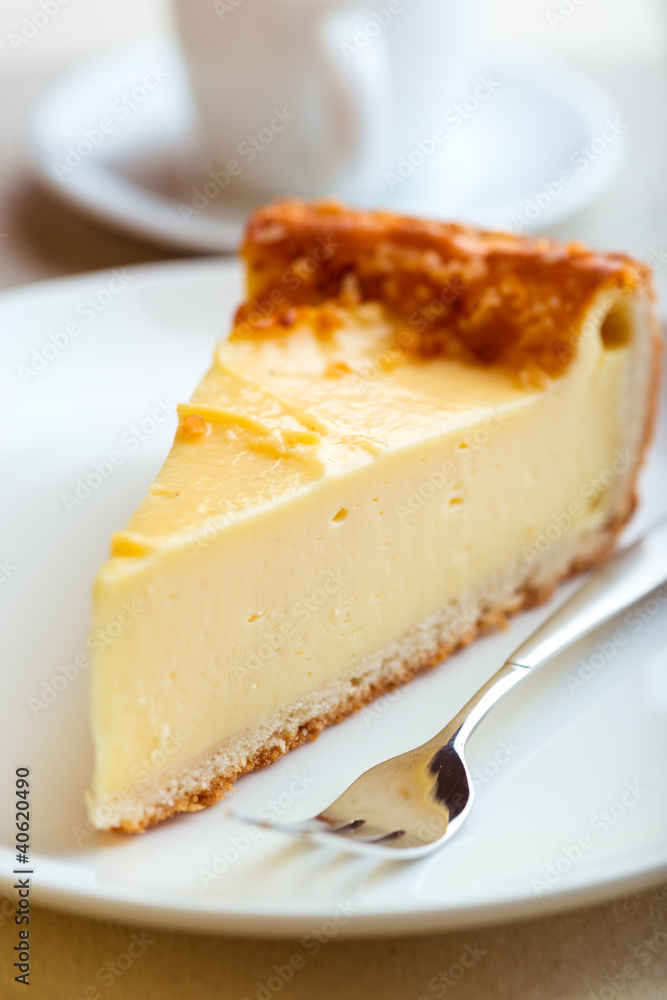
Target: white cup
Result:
[316, 97]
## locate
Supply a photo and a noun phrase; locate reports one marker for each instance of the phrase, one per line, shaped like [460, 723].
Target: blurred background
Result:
[508, 176]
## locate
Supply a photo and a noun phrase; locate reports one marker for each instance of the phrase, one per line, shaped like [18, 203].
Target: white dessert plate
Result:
[571, 803]
[504, 161]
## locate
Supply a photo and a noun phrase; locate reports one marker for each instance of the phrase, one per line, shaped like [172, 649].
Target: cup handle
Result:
[357, 89]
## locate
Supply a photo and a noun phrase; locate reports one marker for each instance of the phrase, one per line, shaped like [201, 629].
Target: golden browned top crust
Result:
[491, 298]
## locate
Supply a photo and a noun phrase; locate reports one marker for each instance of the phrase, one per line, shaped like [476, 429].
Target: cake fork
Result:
[411, 805]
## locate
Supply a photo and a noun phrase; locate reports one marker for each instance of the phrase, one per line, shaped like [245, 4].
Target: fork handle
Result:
[631, 574]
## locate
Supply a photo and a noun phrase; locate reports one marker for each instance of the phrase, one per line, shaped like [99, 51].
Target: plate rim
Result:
[230, 920]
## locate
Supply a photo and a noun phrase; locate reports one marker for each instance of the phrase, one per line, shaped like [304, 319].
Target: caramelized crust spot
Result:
[489, 298]
[194, 426]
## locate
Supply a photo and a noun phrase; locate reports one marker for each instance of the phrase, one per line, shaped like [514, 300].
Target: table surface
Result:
[619, 948]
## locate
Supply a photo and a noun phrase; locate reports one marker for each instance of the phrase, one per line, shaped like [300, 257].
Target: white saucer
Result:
[548, 764]
[509, 152]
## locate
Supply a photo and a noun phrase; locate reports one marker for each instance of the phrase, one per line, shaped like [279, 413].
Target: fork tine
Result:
[365, 833]
[394, 835]
[372, 838]
[320, 825]
[335, 826]
[308, 826]
[351, 833]
[357, 834]
[316, 825]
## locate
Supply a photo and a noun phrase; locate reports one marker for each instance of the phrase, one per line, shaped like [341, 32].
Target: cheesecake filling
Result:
[304, 542]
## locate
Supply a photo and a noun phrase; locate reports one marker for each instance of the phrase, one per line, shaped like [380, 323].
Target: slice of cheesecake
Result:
[413, 430]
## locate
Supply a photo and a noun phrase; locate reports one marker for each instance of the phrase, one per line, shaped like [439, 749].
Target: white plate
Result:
[572, 753]
[544, 118]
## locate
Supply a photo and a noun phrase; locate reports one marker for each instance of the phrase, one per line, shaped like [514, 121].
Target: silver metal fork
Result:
[411, 805]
